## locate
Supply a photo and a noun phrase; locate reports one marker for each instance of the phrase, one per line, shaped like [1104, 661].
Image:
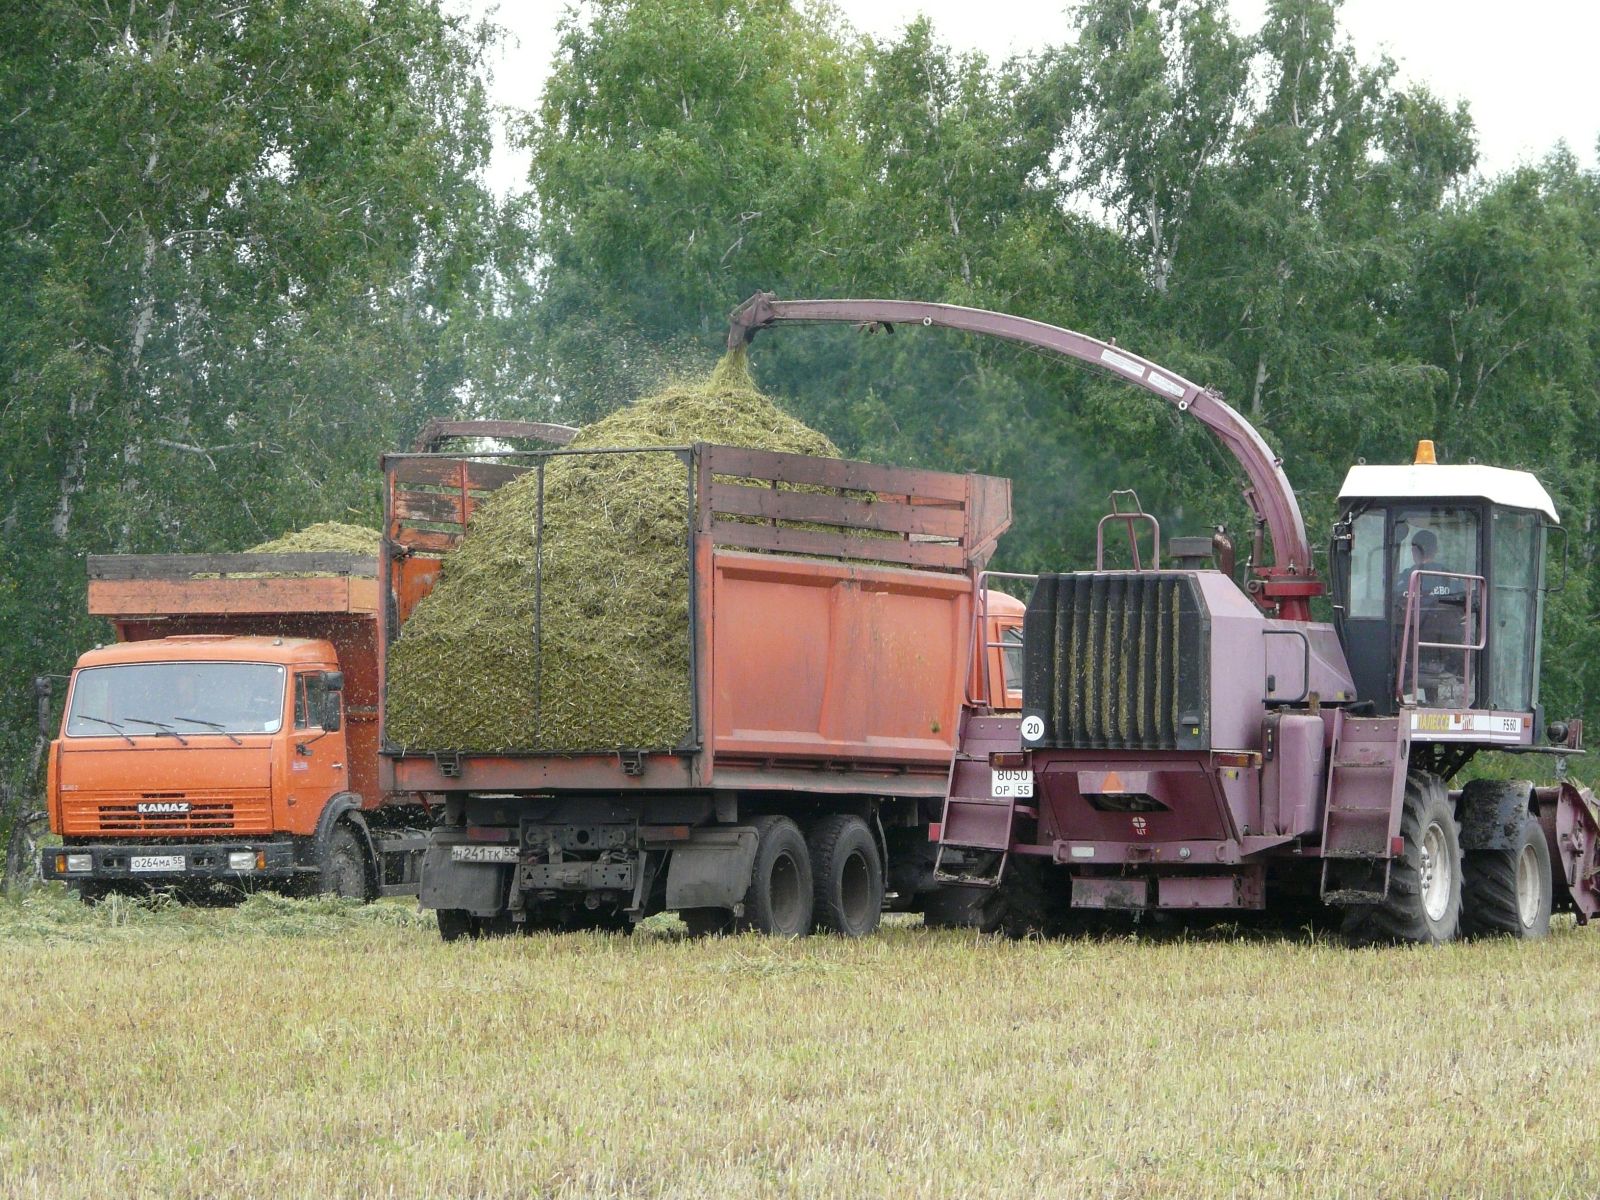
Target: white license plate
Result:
[1010, 785]
[156, 862]
[483, 854]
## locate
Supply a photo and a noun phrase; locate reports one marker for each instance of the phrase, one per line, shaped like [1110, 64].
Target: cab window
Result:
[1436, 538]
[302, 702]
[1514, 609]
[1367, 561]
[1011, 650]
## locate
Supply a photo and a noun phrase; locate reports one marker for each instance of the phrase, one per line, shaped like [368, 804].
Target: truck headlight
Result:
[80, 863]
[241, 860]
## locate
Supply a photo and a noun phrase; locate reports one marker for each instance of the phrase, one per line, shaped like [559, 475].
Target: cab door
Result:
[318, 769]
[1365, 617]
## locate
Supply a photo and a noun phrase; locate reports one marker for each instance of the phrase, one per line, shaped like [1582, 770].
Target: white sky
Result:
[1526, 67]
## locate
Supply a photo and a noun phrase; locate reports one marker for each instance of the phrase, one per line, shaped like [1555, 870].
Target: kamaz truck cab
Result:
[229, 736]
[1437, 577]
[180, 758]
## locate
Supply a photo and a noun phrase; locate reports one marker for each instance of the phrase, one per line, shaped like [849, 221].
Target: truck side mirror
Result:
[332, 719]
[333, 680]
[43, 689]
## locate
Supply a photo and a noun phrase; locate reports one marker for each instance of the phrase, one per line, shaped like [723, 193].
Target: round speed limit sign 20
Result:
[1032, 728]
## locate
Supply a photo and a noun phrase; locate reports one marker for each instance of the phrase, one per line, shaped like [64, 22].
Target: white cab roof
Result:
[1425, 481]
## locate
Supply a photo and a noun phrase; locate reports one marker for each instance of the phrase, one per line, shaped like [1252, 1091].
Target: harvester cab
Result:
[1437, 576]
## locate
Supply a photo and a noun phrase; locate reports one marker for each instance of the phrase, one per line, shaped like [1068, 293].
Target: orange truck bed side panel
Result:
[836, 661]
[231, 597]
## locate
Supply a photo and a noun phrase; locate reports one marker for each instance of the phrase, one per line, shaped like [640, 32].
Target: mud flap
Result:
[713, 869]
[1492, 813]
[477, 887]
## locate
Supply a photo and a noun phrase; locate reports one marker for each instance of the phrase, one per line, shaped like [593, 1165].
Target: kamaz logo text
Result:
[160, 807]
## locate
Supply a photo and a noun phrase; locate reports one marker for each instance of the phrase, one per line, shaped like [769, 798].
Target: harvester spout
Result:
[1284, 582]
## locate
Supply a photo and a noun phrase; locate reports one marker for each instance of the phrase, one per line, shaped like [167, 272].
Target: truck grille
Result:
[231, 812]
[1118, 661]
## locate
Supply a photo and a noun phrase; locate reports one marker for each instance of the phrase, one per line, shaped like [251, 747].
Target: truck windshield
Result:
[197, 696]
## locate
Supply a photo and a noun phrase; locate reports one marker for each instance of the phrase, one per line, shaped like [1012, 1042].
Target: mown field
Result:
[313, 1049]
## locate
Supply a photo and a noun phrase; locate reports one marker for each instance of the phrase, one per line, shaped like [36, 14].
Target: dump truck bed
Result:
[829, 630]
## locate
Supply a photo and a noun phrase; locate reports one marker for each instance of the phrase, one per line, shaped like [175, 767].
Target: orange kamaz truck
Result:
[230, 734]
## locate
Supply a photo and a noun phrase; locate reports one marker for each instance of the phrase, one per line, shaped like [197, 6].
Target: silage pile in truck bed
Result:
[610, 665]
[331, 537]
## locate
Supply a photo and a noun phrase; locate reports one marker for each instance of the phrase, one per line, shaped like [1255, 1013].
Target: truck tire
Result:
[1509, 891]
[779, 901]
[345, 870]
[1424, 903]
[846, 875]
[707, 922]
[457, 923]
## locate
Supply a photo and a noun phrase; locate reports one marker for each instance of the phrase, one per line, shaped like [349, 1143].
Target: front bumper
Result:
[198, 860]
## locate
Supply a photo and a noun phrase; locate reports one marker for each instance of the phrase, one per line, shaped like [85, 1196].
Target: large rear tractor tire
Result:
[345, 870]
[847, 876]
[1509, 891]
[1029, 902]
[779, 902]
[1424, 902]
[957, 906]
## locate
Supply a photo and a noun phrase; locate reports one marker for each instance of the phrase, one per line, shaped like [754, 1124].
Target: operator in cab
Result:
[1424, 557]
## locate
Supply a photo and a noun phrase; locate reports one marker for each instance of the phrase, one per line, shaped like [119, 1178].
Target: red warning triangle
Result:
[1111, 783]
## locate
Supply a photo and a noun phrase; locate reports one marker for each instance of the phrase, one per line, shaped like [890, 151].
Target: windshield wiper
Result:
[103, 721]
[167, 729]
[220, 728]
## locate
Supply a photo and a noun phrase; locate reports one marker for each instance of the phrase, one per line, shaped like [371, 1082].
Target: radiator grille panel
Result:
[232, 811]
[1118, 660]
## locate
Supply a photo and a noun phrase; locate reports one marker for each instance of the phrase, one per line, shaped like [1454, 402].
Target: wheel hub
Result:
[1528, 890]
[1435, 873]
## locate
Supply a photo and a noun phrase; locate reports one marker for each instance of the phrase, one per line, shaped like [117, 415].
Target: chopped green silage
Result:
[325, 537]
[607, 663]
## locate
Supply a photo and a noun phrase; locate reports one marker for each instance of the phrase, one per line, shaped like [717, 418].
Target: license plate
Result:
[483, 854]
[156, 862]
[1010, 785]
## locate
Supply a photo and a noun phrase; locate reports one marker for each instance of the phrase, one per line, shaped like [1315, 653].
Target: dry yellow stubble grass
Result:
[313, 1050]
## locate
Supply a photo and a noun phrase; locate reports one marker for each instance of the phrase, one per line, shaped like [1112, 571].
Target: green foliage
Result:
[245, 251]
[1267, 214]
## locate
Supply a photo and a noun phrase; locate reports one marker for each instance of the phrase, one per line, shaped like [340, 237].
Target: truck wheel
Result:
[847, 876]
[707, 922]
[1424, 904]
[92, 892]
[457, 923]
[779, 902]
[344, 865]
[1509, 891]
